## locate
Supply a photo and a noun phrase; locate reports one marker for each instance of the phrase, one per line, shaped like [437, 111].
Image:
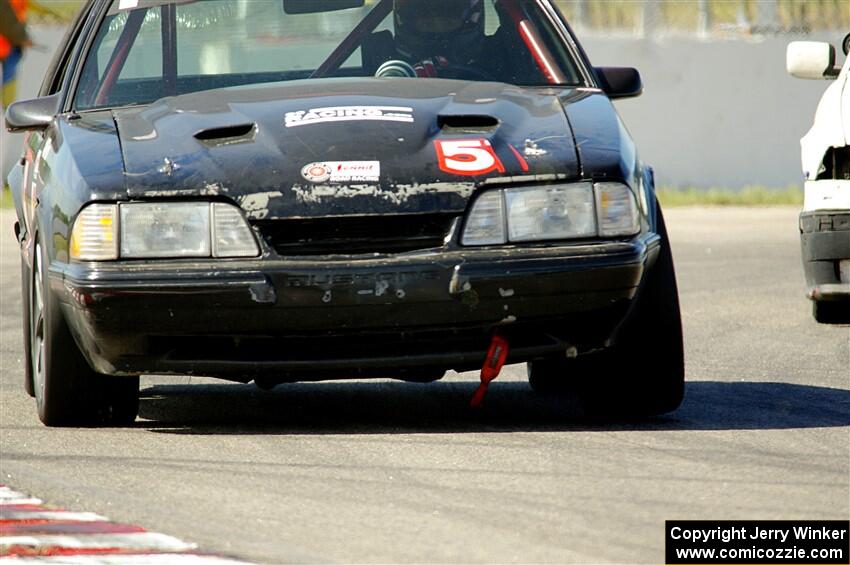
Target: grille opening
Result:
[356, 235]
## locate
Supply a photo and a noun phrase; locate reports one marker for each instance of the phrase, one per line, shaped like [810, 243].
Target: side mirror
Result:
[35, 114]
[620, 82]
[811, 59]
[845, 45]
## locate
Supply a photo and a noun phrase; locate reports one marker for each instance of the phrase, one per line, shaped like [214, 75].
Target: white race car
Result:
[825, 220]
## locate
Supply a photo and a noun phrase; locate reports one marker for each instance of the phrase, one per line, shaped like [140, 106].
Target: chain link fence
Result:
[709, 17]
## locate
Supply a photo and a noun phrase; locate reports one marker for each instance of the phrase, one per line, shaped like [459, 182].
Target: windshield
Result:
[148, 49]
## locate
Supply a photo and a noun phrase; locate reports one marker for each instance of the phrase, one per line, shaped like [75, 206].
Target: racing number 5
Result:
[467, 157]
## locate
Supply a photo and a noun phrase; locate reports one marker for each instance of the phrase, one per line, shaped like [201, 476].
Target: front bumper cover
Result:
[825, 239]
[239, 319]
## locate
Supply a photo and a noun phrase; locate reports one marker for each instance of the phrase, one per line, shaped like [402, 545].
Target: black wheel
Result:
[547, 376]
[831, 312]
[67, 391]
[26, 280]
[116, 400]
[643, 374]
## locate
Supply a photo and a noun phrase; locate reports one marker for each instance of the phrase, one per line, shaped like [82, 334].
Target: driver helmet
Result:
[453, 29]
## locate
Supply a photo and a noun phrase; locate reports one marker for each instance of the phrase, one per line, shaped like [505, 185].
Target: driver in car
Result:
[440, 36]
[447, 39]
[441, 39]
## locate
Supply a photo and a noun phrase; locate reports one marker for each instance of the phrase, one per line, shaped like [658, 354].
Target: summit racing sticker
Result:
[343, 171]
[348, 114]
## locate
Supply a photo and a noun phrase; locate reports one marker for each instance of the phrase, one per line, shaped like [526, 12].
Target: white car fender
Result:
[831, 129]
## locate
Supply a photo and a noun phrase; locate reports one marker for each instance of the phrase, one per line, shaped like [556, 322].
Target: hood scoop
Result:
[226, 135]
[467, 123]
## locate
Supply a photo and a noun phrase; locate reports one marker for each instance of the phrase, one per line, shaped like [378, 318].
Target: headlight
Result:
[231, 235]
[553, 212]
[616, 209]
[161, 230]
[94, 237]
[165, 230]
[486, 222]
[550, 212]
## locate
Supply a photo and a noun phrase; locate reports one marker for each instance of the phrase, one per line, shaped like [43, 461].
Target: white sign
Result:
[343, 171]
[349, 114]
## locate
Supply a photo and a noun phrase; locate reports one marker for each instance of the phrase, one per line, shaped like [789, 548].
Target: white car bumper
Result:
[827, 194]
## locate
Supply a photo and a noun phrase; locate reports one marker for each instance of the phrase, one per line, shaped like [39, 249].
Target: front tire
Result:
[67, 391]
[26, 290]
[643, 374]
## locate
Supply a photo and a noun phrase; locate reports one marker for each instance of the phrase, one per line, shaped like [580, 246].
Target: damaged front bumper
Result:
[332, 317]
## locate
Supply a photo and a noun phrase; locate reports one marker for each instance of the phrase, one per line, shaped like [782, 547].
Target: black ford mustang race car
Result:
[321, 189]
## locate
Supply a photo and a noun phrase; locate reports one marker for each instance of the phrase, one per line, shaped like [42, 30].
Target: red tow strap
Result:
[497, 354]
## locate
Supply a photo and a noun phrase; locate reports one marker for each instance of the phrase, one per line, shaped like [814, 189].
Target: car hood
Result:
[345, 146]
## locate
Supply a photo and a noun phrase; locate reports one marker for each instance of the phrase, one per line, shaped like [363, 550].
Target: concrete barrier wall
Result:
[714, 113]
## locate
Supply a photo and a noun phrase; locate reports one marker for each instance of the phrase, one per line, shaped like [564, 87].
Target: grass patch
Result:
[749, 196]
[53, 11]
[6, 198]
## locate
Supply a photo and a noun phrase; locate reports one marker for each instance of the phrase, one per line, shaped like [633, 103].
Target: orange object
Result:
[497, 354]
[20, 9]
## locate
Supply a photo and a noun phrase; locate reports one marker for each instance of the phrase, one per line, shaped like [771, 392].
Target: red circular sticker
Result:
[316, 172]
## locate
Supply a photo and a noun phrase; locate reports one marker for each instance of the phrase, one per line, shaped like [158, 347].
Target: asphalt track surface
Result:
[390, 472]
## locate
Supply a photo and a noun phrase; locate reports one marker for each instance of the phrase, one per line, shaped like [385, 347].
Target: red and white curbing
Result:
[31, 533]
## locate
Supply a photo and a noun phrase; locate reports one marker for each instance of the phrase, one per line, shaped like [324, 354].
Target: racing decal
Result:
[467, 157]
[349, 114]
[343, 171]
[520, 159]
